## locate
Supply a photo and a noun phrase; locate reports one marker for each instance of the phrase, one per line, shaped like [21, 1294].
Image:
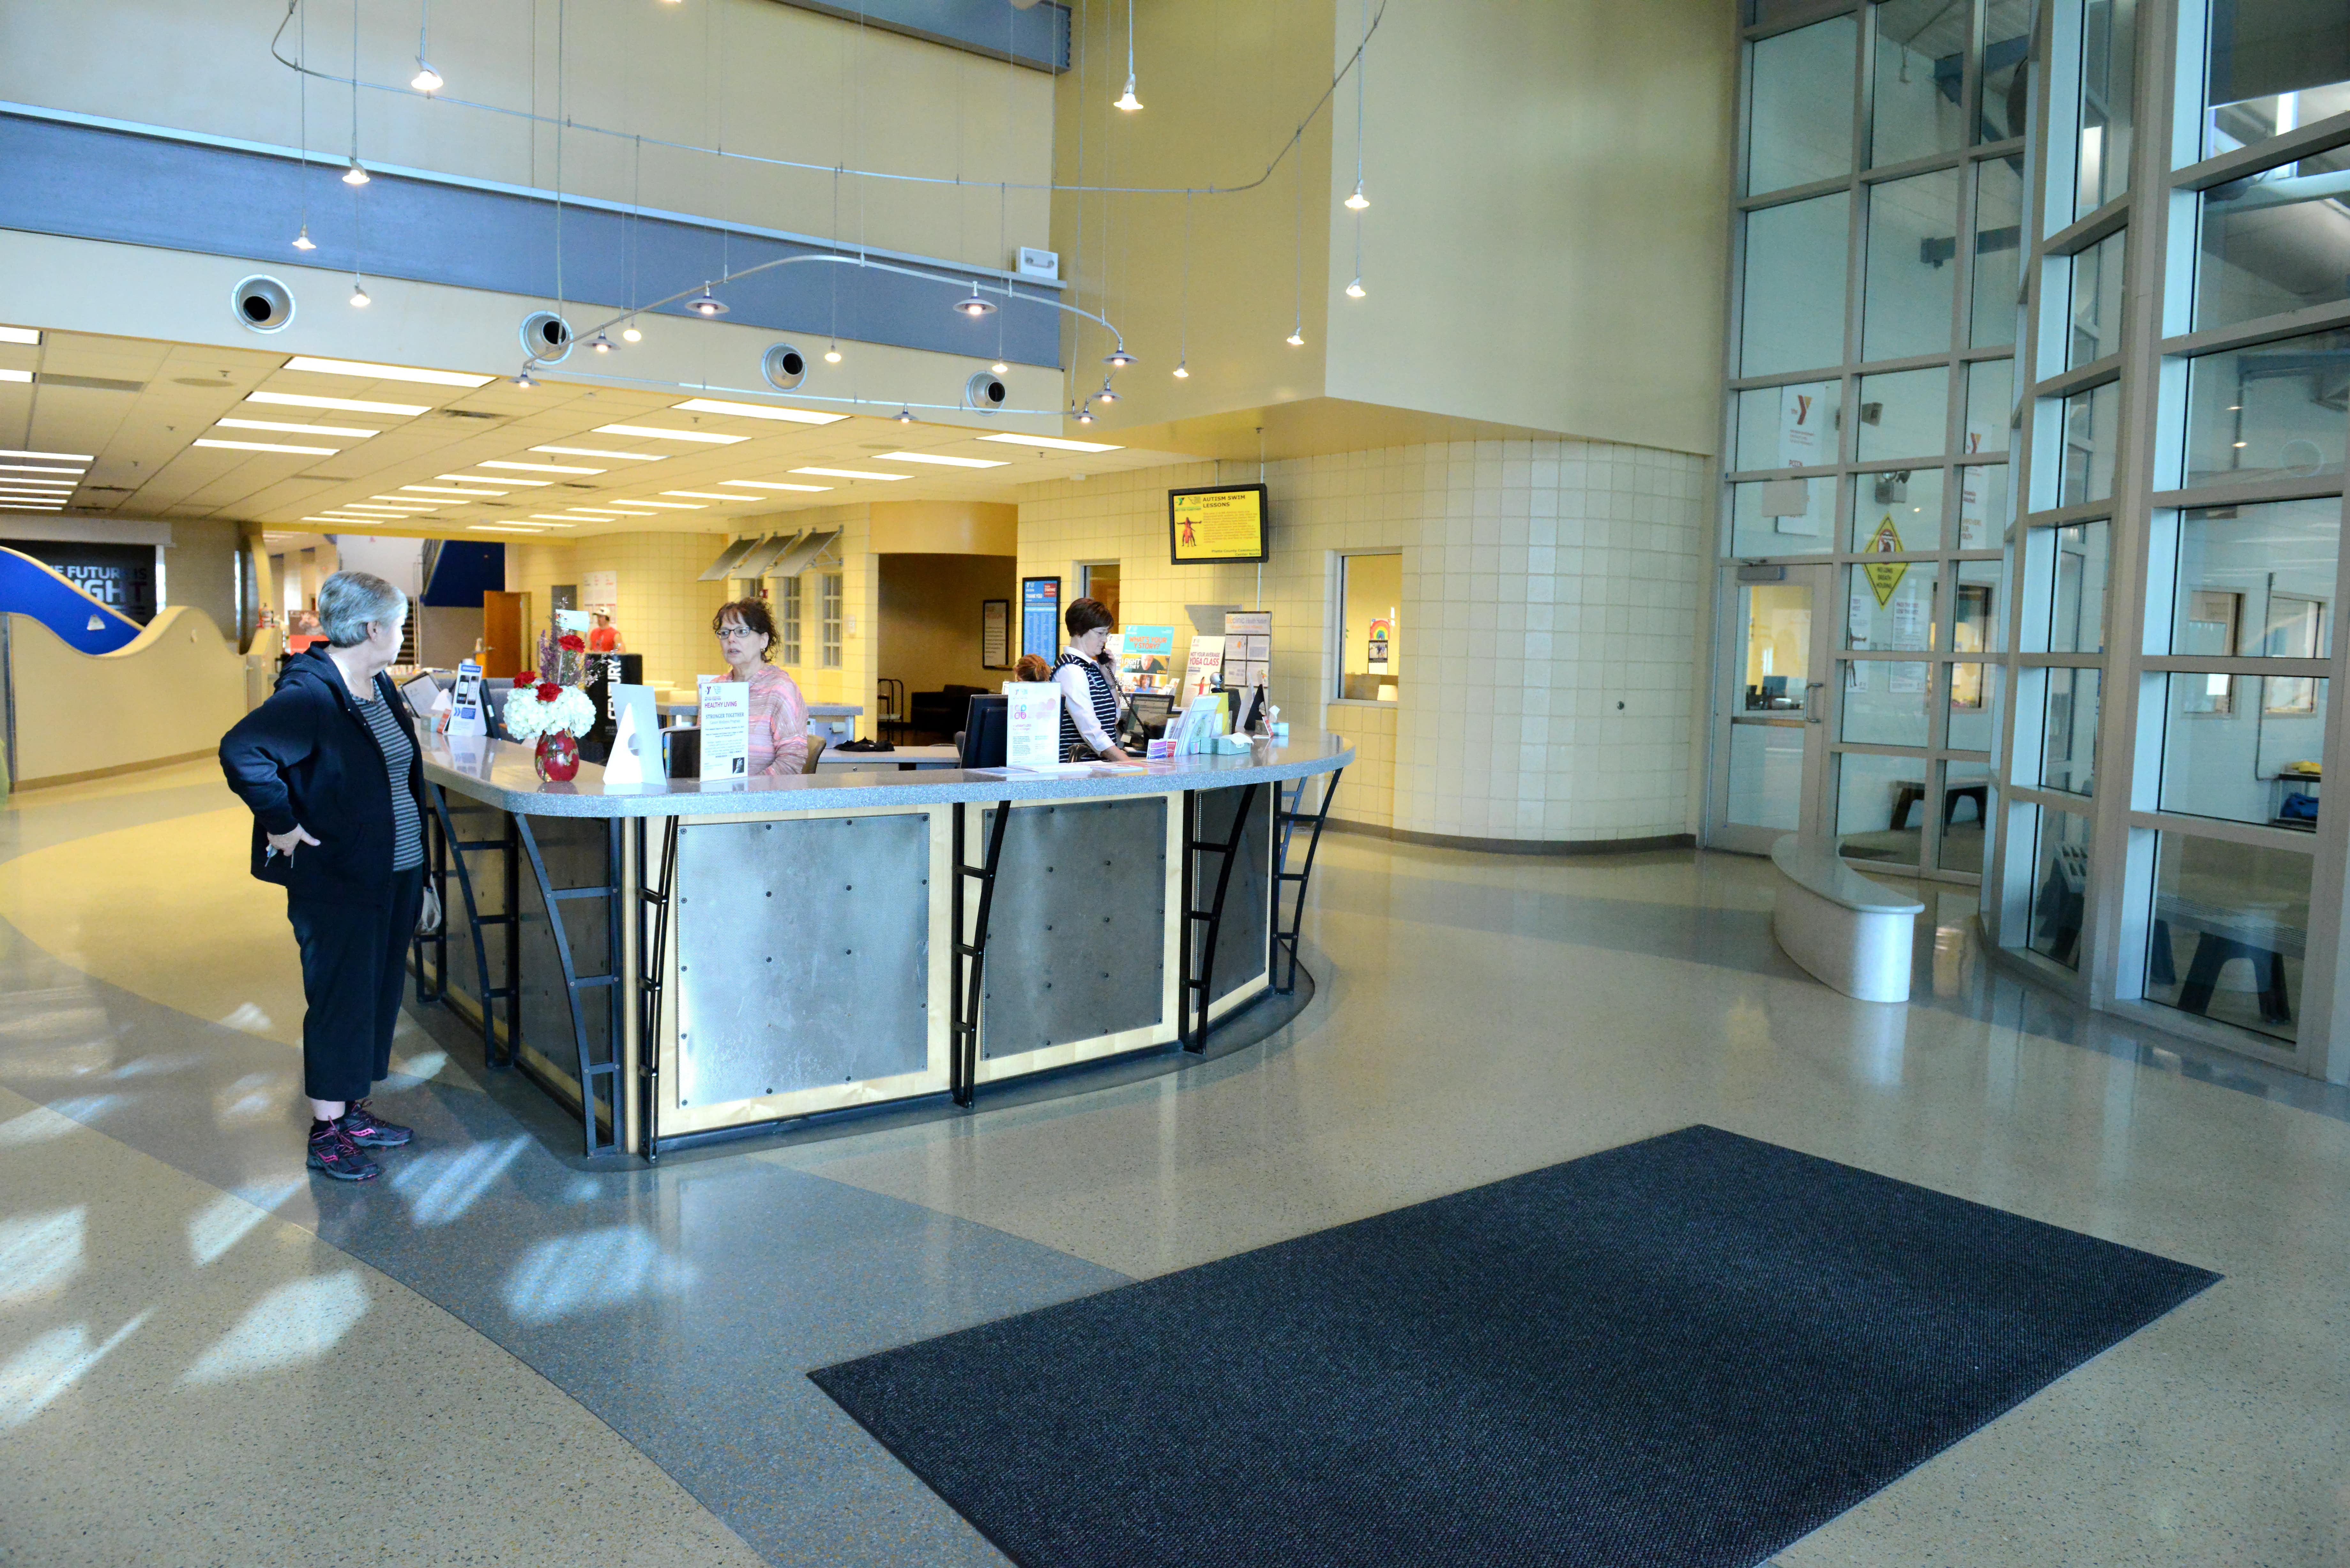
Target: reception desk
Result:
[680, 962]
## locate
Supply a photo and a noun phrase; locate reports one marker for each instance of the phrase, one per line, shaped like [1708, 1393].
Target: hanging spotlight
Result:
[355, 175]
[1119, 360]
[523, 380]
[999, 369]
[303, 241]
[630, 334]
[1085, 415]
[1109, 394]
[708, 305]
[426, 81]
[1356, 290]
[1296, 339]
[904, 416]
[1126, 100]
[1182, 372]
[974, 306]
[601, 344]
[1358, 201]
[360, 300]
[832, 355]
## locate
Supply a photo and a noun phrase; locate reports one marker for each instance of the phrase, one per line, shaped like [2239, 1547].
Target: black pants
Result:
[354, 966]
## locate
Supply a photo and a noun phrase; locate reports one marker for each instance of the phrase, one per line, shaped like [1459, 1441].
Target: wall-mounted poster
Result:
[995, 634]
[1040, 617]
[1225, 524]
[599, 592]
[1146, 658]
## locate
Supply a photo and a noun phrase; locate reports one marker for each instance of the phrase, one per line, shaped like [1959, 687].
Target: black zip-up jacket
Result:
[307, 756]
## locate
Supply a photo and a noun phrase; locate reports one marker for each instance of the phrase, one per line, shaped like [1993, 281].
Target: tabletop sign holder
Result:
[465, 717]
[725, 724]
[1033, 719]
[636, 737]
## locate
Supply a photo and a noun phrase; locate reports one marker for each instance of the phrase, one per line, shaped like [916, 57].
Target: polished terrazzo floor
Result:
[497, 1355]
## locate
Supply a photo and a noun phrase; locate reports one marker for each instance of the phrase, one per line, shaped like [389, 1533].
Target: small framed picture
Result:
[995, 634]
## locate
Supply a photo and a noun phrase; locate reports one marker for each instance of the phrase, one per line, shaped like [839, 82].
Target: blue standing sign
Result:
[1040, 617]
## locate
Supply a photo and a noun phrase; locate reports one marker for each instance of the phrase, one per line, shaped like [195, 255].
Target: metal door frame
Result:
[1729, 683]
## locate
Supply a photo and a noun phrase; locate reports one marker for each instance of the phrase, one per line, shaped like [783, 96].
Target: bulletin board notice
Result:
[1225, 524]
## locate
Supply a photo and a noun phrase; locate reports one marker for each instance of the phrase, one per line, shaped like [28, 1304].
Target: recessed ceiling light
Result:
[772, 484]
[20, 335]
[849, 474]
[705, 495]
[7, 375]
[410, 501]
[1054, 443]
[606, 514]
[756, 412]
[941, 460]
[348, 405]
[268, 446]
[385, 372]
[664, 505]
[494, 479]
[599, 451]
[508, 527]
[36, 468]
[537, 467]
[558, 520]
[53, 456]
[294, 430]
[655, 433]
[54, 486]
[450, 490]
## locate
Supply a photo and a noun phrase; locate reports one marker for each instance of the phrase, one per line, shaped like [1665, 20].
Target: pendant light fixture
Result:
[999, 369]
[904, 416]
[832, 353]
[426, 81]
[357, 173]
[303, 241]
[1357, 202]
[708, 305]
[523, 381]
[1109, 394]
[974, 306]
[630, 334]
[1119, 361]
[1126, 100]
[1182, 371]
[1085, 415]
[360, 300]
[601, 344]
[1356, 290]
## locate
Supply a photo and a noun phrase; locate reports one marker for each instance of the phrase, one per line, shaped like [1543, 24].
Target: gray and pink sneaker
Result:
[360, 1124]
[333, 1152]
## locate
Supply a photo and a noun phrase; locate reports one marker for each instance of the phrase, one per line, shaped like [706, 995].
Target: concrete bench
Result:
[1845, 931]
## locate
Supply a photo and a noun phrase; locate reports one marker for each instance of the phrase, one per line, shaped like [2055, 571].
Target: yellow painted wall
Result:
[930, 618]
[747, 75]
[173, 691]
[665, 609]
[945, 528]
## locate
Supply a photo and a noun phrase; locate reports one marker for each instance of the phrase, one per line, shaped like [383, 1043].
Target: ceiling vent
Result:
[87, 383]
[262, 304]
[783, 366]
[545, 336]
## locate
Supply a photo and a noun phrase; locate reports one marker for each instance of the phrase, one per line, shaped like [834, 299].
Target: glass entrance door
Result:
[1770, 702]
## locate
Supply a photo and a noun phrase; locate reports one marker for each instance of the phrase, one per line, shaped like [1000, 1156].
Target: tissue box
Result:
[1231, 742]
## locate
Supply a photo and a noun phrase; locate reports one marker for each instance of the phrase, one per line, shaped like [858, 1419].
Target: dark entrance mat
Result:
[1691, 1350]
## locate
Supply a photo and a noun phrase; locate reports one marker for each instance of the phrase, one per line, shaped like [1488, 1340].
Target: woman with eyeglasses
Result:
[779, 719]
[1089, 696]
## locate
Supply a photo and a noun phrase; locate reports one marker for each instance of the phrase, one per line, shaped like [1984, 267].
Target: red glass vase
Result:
[558, 757]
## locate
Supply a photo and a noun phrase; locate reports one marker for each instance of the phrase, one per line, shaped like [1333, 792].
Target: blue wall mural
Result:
[30, 587]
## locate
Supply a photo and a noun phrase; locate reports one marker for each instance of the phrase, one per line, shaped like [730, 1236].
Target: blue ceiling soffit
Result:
[463, 572]
[99, 182]
[1037, 36]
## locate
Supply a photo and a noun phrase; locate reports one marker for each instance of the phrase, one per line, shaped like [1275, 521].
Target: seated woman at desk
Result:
[779, 719]
[1089, 699]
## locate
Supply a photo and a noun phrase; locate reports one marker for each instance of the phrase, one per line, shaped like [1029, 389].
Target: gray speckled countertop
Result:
[502, 773]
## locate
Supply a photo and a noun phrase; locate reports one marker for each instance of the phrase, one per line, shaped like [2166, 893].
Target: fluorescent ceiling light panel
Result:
[52, 456]
[347, 405]
[559, 521]
[1054, 443]
[708, 495]
[538, 467]
[268, 446]
[599, 451]
[756, 412]
[664, 505]
[654, 433]
[449, 490]
[772, 484]
[494, 479]
[941, 460]
[35, 487]
[37, 468]
[606, 514]
[508, 527]
[385, 372]
[20, 335]
[850, 474]
[295, 429]
[7, 375]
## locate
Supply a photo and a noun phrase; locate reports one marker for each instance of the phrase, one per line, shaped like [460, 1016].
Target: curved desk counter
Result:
[726, 955]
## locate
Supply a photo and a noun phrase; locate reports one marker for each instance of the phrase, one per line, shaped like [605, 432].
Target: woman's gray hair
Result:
[348, 601]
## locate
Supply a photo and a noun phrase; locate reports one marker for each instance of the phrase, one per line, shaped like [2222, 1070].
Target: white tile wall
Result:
[1553, 609]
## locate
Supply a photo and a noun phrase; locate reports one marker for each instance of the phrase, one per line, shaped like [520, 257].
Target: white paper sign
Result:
[1032, 736]
[600, 591]
[1802, 419]
[1207, 662]
[725, 728]
[635, 743]
[466, 702]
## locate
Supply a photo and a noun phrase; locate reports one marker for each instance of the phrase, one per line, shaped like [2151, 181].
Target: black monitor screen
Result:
[985, 731]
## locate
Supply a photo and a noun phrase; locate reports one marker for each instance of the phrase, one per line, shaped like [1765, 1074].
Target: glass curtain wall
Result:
[1877, 255]
[2167, 191]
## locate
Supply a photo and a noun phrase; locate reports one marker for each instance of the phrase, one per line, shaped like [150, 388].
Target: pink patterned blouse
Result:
[779, 719]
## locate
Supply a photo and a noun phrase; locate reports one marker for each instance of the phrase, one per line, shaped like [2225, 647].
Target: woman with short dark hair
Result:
[1088, 695]
[330, 768]
[779, 720]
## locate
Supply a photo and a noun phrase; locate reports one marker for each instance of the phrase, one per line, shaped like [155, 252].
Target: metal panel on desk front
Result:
[1243, 941]
[803, 954]
[1077, 943]
[578, 853]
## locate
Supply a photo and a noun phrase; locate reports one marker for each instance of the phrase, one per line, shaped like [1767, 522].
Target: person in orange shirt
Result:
[602, 636]
[779, 737]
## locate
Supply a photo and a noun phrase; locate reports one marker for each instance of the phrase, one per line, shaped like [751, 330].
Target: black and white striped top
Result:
[1081, 743]
[399, 756]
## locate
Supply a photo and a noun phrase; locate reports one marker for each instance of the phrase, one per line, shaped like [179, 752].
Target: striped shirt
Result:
[398, 754]
[1086, 694]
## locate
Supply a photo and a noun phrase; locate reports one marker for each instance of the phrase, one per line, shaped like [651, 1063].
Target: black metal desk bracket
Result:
[592, 1073]
[654, 901]
[1284, 979]
[1200, 926]
[450, 851]
[970, 951]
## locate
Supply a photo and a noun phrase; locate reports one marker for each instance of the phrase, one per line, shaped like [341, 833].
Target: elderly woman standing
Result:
[330, 766]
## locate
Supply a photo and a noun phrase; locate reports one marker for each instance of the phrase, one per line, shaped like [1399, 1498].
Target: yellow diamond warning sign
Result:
[1884, 578]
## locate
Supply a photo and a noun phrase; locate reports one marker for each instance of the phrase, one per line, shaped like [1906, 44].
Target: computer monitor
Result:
[1152, 710]
[986, 732]
[422, 692]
